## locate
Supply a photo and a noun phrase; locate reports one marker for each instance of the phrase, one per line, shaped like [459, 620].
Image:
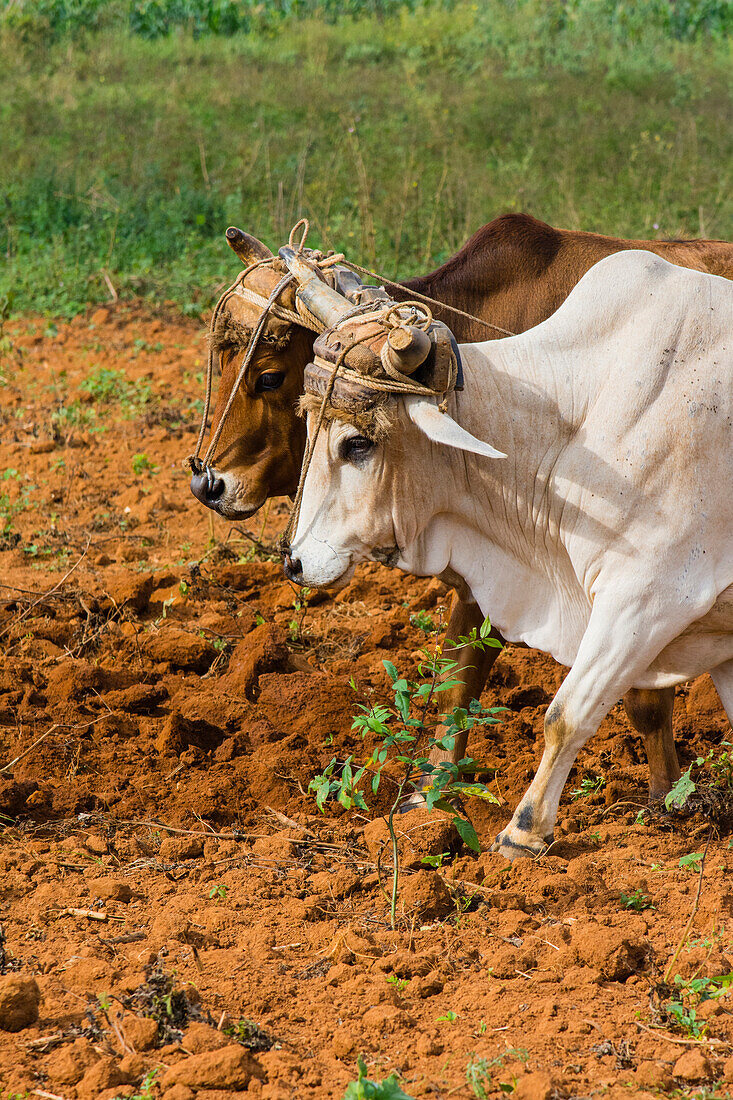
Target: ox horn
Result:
[441, 428]
[248, 248]
[317, 296]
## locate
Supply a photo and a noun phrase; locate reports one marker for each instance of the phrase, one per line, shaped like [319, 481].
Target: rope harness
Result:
[380, 378]
[270, 307]
[390, 380]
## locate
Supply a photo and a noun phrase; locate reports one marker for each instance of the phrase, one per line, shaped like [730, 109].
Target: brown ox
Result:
[514, 272]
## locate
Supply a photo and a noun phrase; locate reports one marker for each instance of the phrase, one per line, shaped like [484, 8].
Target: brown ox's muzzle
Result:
[207, 487]
[223, 493]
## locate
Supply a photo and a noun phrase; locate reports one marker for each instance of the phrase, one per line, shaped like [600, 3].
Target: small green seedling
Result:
[300, 607]
[364, 1089]
[141, 463]
[685, 1019]
[681, 791]
[592, 784]
[450, 1017]
[400, 984]
[637, 901]
[435, 861]
[218, 891]
[423, 622]
[691, 862]
[479, 1076]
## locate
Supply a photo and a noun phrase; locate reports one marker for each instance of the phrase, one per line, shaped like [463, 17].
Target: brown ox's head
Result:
[260, 450]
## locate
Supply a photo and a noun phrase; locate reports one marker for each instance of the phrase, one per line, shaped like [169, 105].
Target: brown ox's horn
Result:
[406, 348]
[248, 248]
[317, 296]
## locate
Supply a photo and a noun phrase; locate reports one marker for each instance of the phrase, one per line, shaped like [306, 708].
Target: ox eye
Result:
[356, 448]
[270, 380]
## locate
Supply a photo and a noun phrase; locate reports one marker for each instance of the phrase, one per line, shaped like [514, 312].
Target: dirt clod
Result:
[420, 833]
[19, 1000]
[232, 1067]
[535, 1086]
[692, 1066]
[426, 895]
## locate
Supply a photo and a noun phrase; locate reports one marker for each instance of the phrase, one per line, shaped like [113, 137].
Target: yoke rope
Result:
[268, 306]
[395, 383]
[303, 317]
[426, 298]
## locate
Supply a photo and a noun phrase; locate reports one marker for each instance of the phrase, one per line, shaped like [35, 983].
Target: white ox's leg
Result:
[617, 648]
[722, 677]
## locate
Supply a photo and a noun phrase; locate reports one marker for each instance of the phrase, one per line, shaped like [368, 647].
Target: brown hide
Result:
[515, 272]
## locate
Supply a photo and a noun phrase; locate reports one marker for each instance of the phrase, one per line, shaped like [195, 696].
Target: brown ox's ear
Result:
[248, 248]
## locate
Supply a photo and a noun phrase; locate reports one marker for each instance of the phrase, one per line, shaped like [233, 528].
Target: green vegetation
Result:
[592, 784]
[404, 738]
[636, 900]
[682, 1011]
[480, 1073]
[134, 131]
[364, 1089]
[141, 464]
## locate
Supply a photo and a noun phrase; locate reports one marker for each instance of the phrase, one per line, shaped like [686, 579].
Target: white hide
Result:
[606, 539]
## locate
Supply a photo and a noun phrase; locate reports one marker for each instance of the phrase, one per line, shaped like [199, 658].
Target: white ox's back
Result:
[616, 414]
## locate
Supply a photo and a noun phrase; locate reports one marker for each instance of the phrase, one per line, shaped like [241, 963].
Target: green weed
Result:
[403, 735]
[636, 901]
[142, 464]
[480, 1073]
[592, 784]
[691, 861]
[364, 1089]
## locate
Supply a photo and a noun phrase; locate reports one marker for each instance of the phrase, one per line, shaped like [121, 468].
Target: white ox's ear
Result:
[441, 428]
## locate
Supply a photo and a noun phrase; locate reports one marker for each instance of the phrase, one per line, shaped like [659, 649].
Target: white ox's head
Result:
[369, 496]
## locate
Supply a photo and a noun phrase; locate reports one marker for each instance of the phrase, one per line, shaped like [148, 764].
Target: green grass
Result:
[124, 158]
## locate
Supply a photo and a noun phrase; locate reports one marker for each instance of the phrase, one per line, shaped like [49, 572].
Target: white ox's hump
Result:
[619, 290]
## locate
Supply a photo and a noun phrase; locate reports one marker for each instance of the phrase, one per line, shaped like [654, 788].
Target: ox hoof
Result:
[515, 843]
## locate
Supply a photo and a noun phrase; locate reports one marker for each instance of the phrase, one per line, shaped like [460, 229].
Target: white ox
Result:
[605, 538]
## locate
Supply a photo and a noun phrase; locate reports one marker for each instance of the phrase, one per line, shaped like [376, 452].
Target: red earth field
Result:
[179, 920]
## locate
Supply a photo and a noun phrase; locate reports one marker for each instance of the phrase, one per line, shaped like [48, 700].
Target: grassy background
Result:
[125, 152]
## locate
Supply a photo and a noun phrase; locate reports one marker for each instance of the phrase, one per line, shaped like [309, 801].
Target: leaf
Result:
[683, 788]
[467, 833]
[391, 671]
[364, 1089]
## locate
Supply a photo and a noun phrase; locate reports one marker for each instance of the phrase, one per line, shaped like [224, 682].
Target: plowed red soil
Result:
[164, 871]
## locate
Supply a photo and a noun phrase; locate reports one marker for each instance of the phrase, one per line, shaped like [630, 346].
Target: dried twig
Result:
[659, 1033]
[688, 926]
[50, 591]
[48, 1042]
[90, 914]
[29, 750]
[288, 822]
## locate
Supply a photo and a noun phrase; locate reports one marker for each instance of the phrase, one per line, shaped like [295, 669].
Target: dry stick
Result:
[288, 821]
[55, 588]
[28, 751]
[659, 1033]
[688, 926]
[197, 832]
[90, 914]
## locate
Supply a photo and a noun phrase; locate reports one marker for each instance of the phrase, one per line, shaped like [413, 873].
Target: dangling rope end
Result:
[283, 545]
[195, 464]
